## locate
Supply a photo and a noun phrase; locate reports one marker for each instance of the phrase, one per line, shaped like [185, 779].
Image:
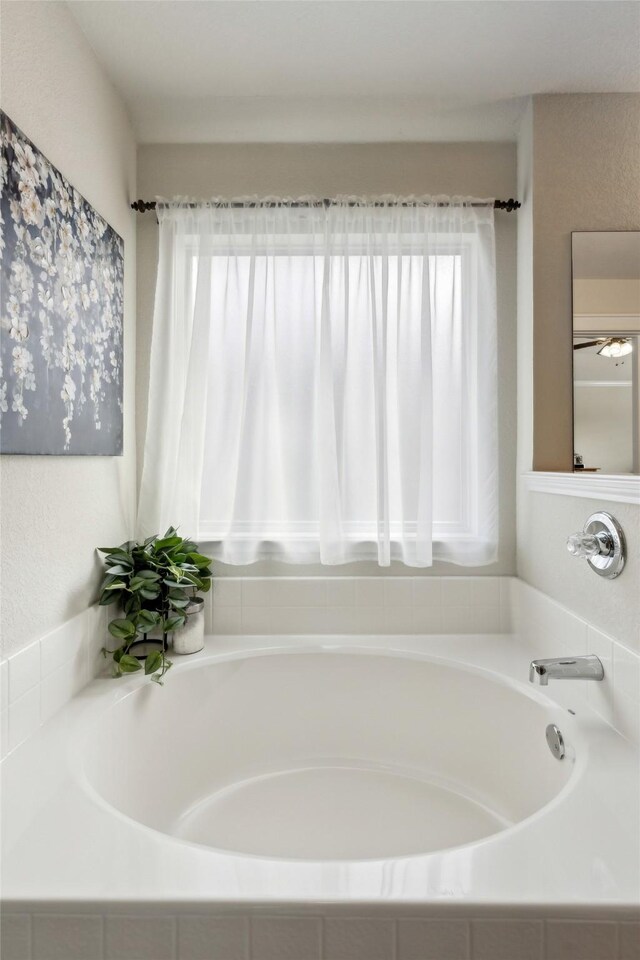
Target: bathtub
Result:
[318, 774]
[329, 755]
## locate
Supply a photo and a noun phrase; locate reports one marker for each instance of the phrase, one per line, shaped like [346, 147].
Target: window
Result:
[346, 384]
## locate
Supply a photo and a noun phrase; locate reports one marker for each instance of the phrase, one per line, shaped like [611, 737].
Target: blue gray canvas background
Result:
[61, 311]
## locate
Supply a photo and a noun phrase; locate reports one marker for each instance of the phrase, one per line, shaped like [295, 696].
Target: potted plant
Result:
[155, 582]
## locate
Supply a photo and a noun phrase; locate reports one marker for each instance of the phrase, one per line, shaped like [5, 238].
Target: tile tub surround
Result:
[554, 631]
[369, 605]
[329, 932]
[37, 681]
[41, 678]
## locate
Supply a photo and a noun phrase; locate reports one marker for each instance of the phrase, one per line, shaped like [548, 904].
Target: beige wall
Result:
[586, 170]
[480, 169]
[56, 510]
[578, 169]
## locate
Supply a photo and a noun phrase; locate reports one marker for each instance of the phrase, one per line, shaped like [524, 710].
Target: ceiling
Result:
[338, 70]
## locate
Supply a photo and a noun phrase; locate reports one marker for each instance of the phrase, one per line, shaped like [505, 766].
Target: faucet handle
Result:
[601, 543]
[583, 545]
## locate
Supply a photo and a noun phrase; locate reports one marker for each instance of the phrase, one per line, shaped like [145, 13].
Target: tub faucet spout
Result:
[566, 668]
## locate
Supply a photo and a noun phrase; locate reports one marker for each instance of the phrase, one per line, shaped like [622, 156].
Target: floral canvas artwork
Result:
[61, 312]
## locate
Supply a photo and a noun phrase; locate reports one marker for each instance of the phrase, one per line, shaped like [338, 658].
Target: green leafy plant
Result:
[153, 582]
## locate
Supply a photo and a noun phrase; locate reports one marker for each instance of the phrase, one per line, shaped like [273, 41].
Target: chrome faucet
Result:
[566, 668]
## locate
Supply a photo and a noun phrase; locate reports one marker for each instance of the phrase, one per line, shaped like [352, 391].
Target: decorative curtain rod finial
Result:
[141, 206]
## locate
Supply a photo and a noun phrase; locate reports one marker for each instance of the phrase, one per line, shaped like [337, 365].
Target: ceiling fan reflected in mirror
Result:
[611, 347]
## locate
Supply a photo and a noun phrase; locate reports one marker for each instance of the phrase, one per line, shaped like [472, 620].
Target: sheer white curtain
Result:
[323, 381]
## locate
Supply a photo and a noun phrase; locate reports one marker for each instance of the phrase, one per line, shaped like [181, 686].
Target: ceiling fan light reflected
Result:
[616, 347]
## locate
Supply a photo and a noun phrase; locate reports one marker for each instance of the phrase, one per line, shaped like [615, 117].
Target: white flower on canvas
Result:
[65, 237]
[19, 328]
[68, 392]
[31, 207]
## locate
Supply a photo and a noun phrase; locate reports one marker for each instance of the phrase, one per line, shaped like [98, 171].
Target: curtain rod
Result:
[141, 206]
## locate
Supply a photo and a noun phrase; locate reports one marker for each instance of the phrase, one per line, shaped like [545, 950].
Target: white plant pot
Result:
[190, 637]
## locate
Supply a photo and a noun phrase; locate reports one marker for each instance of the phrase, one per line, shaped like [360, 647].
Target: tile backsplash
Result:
[38, 680]
[387, 605]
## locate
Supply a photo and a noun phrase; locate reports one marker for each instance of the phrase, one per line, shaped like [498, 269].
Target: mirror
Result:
[606, 354]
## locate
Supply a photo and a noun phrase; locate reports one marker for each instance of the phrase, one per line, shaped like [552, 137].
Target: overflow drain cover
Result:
[555, 741]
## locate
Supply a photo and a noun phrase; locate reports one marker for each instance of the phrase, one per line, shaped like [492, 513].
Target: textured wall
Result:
[480, 169]
[586, 168]
[578, 170]
[56, 510]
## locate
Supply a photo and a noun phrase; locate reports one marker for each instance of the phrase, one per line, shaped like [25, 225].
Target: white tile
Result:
[285, 938]
[629, 941]
[298, 592]
[358, 939]
[460, 619]
[4, 684]
[139, 938]
[73, 667]
[256, 619]
[256, 592]
[208, 613]
[340, 592]
[485, 590]
[506, 939]
[455, 591]
[213, 938]
[226, 620]
[508, 602]
[15, 936]
[371, 619]
[57, 689]
[627, 716]
[24, 671]
[433, 940]
[487, 618]
[398, 592]
[626, 672]
[567, 630]
[95, 662]
[601, 694]
[370, 591]
[342, 619]
[96, 639]
[567, 939]
[427, 619]
[226, 592]
[300, 620]
[399, 620]
[24, 717]
[96, 619]
[426, 591]
[65, 643]
[67, 937]
[4, 736]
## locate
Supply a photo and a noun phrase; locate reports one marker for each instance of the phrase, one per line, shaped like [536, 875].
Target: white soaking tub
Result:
[328, 755]
[325, 773]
